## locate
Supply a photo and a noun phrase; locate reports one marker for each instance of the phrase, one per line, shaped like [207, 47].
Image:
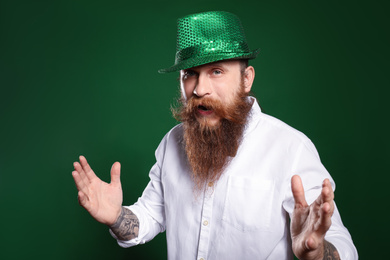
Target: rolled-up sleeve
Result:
[149, 208]
[309, 167]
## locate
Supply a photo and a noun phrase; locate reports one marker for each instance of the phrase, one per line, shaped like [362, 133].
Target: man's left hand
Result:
[310, 223]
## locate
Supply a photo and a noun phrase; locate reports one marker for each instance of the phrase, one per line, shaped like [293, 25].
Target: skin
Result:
[217, 81]
[310, 223]
[104, 200]
[220, 81]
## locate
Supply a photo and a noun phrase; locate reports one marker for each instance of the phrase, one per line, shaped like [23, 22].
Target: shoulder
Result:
[175, 134]
[290, 136]
[261, 124]
[276, 133]
[280, 128]
[171, 139]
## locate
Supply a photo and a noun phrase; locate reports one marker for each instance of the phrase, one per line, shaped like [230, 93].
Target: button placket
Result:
[204, 236]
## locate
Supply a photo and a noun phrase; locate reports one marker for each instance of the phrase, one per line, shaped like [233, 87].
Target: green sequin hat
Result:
[208, 37]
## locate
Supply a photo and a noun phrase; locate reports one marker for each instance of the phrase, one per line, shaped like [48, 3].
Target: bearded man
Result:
[229, 178]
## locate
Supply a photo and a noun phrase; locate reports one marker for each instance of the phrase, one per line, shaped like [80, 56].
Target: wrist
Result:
[330, 251]
[115, 221]
[126, 226]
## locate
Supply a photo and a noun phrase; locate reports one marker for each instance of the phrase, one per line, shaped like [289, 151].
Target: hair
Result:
[209, 148]
[244, 63]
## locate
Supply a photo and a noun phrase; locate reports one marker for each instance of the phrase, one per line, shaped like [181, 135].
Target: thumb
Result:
[116, 173]
[311, 244]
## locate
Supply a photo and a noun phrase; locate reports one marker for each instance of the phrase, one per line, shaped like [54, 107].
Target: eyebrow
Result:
[213, 64]
[217, 63]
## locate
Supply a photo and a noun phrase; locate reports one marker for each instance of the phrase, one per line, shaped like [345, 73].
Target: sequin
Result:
[208, 37]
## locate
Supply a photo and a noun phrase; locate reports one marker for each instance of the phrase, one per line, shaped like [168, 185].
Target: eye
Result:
[217, 72]
[189, 73]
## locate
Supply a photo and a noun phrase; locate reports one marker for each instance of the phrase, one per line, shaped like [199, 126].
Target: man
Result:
[228, 179]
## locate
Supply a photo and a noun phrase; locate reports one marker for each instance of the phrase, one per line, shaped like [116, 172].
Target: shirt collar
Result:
[253, 117]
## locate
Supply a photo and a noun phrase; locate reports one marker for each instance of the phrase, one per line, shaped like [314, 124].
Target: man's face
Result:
[218, 81]
[214, 109]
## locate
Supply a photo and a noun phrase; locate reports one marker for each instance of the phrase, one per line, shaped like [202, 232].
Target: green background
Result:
[80, 77]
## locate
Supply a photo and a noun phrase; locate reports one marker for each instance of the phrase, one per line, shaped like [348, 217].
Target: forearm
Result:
[324, 251]
[127, 225]
[330, 252]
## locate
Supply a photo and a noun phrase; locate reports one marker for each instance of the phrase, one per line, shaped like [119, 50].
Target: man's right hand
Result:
[102, 200]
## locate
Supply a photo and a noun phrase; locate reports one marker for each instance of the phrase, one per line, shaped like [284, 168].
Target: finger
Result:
[115, 173]
[84, 163]
[78, 181]
[311, 243]
[78, 167]
[87, 169]
[80, 184]
[298, 191]
[327, 207]
[81, 172]
[327, 191]
[326, 195]
[326, 213]
[83, 200]
[325, 220]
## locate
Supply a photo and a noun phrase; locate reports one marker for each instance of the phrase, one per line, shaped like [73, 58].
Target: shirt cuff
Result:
[344, 247]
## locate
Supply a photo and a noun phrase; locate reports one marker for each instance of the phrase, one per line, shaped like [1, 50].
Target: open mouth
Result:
[205, 111]
[203, 108]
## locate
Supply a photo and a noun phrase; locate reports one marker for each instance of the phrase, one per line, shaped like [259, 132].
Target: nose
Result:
[202, 86]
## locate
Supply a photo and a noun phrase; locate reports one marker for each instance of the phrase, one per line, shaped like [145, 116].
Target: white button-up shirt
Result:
[245, 215]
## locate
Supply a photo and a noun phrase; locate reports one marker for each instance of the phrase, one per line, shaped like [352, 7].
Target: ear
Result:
[249, 76]
[182, 89]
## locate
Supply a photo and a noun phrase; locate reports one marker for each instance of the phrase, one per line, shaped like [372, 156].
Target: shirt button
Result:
[211, 184]
[201, 258]
[205, 223]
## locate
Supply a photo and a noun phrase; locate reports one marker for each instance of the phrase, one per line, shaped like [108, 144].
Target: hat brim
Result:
[201, 60]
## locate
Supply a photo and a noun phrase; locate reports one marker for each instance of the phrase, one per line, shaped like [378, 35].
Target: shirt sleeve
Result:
[308, 166]
[149, 208]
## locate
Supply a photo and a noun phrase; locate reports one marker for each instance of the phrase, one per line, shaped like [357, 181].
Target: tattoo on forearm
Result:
[330, 252]
[127, 225]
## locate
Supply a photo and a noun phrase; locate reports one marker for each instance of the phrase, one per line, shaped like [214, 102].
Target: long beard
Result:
[210, 148]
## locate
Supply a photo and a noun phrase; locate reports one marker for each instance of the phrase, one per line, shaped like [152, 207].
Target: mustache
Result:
[195, 103]
[187, 110]
[231, 112]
